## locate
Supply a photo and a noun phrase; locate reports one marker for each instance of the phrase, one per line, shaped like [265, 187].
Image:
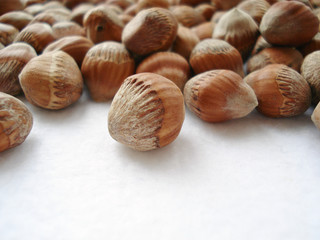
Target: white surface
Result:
[253, 178]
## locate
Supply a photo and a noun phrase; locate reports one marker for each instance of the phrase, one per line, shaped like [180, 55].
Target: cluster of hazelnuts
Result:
[150, 58]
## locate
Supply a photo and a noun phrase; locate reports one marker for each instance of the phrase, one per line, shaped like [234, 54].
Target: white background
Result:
[253, 178]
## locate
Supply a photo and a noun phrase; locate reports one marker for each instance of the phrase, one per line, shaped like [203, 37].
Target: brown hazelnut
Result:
[281, 91]
[15, 122]
[13, 58]
[219, 95]
[151, 30]
[52, 80]
[18, 19]
[147, 112]
[7, 33]
[289, 23]
[211, 54]
[167, 64]
[105, 67]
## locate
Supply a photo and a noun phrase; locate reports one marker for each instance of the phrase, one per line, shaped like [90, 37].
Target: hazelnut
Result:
[211, 54]
[260, 44]
[52, 80]
[147, 112]
[281, 91]
[167, 64]
[206, 10]
[242, 38]
[289, 23]
[255, 8]
[315, 117]
[311, 46]
[185, 41]
[13, 58]
[105, 67]
[75, 46]
[10, 5]
[102, 24]
[219, 95]
[77, 13]
[151, 30]
[7, 33]
[67, 28]
[15, 122]
[203, 30]
[18, 19]
[310, 70]
[38, 35]
[144, 4]
[225, 5]
[187, 15]
[282, 55]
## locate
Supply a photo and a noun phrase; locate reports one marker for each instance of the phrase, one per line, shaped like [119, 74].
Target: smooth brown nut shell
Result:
[310, 70]
[255, 8]
[187, 15]
[219, 95]
[289, 23]
[78, 13]
[147, 112]
[151, 30]
[105, 67]
[52, 80]
[211, 54]
[203, 30]
[13, 58]
[282, 55]
[311, 46]
[67, 28]
[281, 91]
[15, 122]
[167, 64]
[10, 5]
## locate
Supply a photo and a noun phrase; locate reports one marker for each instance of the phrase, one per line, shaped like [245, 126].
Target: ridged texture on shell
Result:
[38, 35]
[13, 58]
[310, 70]
[219, 95]
[52, 80]
[167, 64]
[105, 67]
[210, 54]
[75, 46]
[239, 29]
[147, 112]
[289, 23]
[15, 122]
[151, 30]
[282, 55]
[102, 24]
[281, 91]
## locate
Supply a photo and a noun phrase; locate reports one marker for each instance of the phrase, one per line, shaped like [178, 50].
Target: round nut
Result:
[219, 95]
[289, 23]
[281, 91]
[151, 30]
[52, 80]
[15, 122]
[147, 112]
[105, 67]
[13, 58]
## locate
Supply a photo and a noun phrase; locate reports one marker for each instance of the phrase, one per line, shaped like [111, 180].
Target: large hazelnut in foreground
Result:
[52, 80]
[147, 112]
[15, 122]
